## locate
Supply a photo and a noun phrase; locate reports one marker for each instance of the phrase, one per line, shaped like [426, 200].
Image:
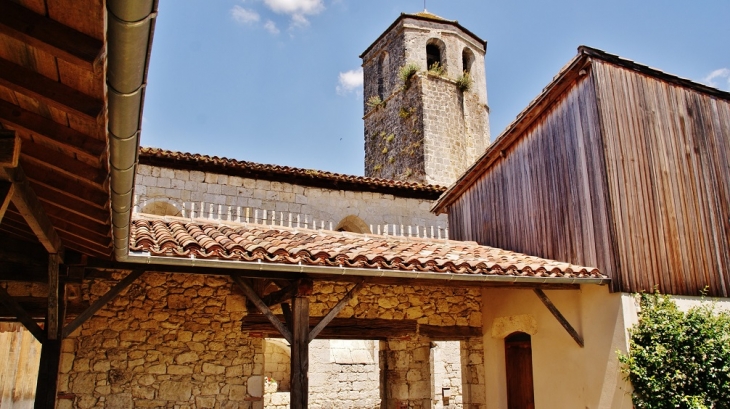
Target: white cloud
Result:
[244, 16]
[295, 7]
[350, 81]
[715, 76]
[271, 27]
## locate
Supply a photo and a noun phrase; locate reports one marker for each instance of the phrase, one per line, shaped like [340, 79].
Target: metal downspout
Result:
[130, 27]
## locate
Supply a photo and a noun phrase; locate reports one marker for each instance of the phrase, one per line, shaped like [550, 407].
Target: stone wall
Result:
[168, 341]
[230, 194]
[175, 341]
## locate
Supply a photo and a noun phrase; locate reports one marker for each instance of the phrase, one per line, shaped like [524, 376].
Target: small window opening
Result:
[433, 55]
[382, 72]
[467, 60]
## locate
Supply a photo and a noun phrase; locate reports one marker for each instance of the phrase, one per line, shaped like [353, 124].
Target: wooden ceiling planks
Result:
[52, 93]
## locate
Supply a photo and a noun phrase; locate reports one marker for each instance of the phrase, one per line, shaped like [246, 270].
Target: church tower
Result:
[425, 99]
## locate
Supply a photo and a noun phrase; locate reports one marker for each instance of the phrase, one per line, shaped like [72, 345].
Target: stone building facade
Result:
[431, 126]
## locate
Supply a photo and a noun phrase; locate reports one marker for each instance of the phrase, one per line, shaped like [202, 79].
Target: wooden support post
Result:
[6, 194]
[53, 323]
[300, 347]
[101, 302]
[561, 319]
[46, 386]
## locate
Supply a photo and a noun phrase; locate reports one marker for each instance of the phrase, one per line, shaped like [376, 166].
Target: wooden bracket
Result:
[22, 315]
[101, 302]
[263, 308]
[561, 319]
[336, 310]
[6, 195]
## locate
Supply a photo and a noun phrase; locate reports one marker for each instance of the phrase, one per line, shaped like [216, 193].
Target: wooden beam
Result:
[561, 319]
[48, 91]
[6, 195]
[334, 311]
[53, 321]
[9, 149]
[22, 316]
[56, 161]
[50, 36]
[93, 195]
[251, 295]
[449, 333]
[28, 205]
[351, 328]
[51, 133]
[278, 297]
[101, 302]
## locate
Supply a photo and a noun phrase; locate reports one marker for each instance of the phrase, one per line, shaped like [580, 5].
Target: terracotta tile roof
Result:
[177, 237]
[307, 177]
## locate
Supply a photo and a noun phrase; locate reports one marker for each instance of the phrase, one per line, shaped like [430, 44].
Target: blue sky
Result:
[276, 81]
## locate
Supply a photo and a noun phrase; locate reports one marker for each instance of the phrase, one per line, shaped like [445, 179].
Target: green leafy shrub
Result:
[464, 82]
[375, 102]
[677, 359]
[436, 69]
[407, 72]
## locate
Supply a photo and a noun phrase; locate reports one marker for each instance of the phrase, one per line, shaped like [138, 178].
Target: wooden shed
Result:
[616, 165]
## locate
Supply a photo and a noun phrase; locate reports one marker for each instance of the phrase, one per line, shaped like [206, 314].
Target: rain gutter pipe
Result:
[130, 28]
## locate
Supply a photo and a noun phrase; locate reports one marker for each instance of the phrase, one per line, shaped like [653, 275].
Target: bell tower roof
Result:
[426, 17]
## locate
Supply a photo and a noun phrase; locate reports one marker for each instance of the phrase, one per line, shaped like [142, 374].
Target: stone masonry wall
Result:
[455, 129]
[168, 341]
[174, 341]
[187, 187]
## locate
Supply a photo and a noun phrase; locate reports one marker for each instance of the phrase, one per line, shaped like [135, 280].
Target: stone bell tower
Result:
[425, 99]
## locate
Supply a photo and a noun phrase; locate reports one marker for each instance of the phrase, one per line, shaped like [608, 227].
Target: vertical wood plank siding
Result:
[667, 155]
[626, 172]
[546, 196]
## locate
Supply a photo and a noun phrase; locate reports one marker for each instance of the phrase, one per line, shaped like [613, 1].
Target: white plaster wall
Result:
[565, 375]
[182, 186]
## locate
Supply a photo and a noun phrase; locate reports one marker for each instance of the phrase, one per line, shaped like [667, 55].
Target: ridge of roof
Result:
[176, 237]
[307, 177]
[556, 86]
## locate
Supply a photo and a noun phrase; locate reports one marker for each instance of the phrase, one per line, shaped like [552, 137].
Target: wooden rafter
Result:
[51, 133]
[56, 161]
[101, 302]
[6, 195]
[92, 195]
[561, 319]
[50, 36]
[25, 199]
[53, 93]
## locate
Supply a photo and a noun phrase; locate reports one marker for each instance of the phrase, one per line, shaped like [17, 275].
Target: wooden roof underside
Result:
[52, 94]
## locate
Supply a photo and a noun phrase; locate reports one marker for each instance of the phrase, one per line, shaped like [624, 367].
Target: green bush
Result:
[464, 82]
[407, 72]
[678, 359]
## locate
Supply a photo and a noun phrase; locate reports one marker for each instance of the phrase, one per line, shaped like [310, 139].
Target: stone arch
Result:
[161, 208]
[467, 60]
[277, 362]
[435, 53]
[504, 326]
[353, 224]
[383, 70]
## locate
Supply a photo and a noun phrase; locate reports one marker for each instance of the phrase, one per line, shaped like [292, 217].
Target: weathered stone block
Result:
[175, 391]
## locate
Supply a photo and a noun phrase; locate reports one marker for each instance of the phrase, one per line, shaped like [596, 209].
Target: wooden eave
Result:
[53, 97]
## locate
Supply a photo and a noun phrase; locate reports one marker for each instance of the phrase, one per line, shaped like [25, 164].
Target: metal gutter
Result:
[146, 258]
[130, 28]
